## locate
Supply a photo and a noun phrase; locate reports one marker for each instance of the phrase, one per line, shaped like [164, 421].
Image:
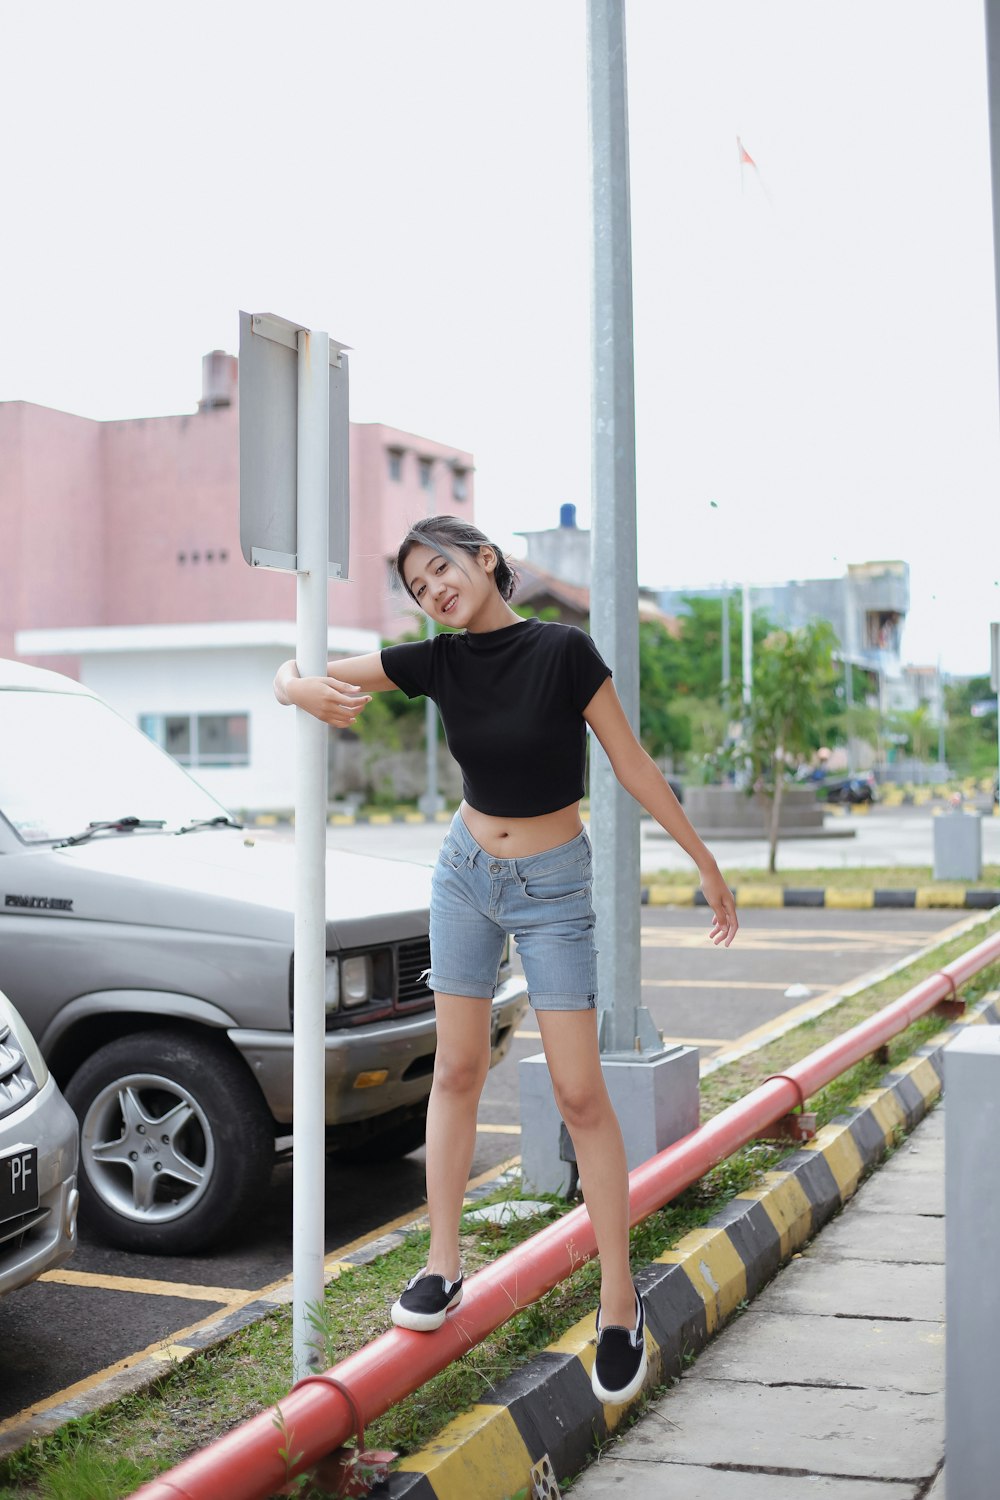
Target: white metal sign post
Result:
[294, 516]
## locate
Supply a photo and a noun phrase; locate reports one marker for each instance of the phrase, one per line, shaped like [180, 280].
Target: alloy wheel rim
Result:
[149, 1148]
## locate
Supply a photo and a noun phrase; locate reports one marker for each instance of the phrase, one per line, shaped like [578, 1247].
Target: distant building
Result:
[555, 574]
[120, 564]
[866, 607]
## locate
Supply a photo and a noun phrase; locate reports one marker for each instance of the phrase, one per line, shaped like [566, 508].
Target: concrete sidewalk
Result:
[832, 1382]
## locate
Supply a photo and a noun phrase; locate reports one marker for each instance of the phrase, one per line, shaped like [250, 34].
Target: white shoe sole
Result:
[618, 1398]
[422, 1322]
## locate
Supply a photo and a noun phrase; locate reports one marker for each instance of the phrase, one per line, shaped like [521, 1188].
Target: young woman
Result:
[516, 697]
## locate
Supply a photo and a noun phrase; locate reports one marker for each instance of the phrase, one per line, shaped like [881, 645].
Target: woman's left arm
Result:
[640, 776]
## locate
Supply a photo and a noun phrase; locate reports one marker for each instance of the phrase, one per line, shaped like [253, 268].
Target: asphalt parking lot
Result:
[106, 1309]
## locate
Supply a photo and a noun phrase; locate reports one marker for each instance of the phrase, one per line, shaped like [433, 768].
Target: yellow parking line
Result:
[148, 1288]
[719, 984]
[173, 1346]
[157, 1350]
[666, 936]
[696, 1041]
[669, 1041]
[499, 1129]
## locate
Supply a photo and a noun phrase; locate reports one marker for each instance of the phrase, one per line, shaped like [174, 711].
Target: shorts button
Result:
[494, 869]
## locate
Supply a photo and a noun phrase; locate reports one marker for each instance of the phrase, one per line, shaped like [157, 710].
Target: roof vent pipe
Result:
[567, 516]
[219, 374]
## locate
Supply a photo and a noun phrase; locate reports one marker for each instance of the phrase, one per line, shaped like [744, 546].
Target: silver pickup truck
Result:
[147, 941]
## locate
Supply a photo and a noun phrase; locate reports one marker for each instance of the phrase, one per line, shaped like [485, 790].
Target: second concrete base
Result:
[656, 1101]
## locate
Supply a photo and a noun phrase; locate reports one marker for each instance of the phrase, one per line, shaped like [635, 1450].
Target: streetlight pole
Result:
[653, 1090]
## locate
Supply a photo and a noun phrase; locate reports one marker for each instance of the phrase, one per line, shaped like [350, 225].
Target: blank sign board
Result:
[268, 394]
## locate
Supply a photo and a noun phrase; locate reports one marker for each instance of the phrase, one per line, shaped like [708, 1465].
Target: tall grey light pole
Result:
[614, 602]
[654, 1090]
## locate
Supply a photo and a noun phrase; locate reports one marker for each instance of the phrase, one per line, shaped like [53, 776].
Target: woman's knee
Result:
[461, 1073]
[583, 1105]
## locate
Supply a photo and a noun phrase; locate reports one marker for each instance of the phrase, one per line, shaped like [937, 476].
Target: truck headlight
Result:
[332, 984]
[356, 980]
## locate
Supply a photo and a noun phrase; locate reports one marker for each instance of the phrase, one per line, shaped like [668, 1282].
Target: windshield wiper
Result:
[117, 825]
[223, 821]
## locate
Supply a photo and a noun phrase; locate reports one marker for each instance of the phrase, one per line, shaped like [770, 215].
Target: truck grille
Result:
[413, 963]
[17, 1083]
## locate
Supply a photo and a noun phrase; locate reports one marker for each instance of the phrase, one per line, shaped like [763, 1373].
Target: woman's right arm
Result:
[338, 697]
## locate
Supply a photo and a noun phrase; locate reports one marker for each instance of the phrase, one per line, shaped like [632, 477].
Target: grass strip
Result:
[107, 1454]
[853, 877]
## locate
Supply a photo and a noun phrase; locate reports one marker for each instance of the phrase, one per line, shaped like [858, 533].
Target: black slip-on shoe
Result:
[620, 1365]
[425, 1303]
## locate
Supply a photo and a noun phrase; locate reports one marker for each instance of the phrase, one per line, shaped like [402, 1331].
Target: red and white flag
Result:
[746, 160]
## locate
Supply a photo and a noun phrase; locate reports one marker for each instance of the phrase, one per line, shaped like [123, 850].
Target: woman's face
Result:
[449, 593]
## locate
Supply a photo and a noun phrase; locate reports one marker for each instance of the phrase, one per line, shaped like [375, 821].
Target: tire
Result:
[176, 1142]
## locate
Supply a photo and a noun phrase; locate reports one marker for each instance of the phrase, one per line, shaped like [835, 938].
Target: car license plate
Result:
[18, 1182]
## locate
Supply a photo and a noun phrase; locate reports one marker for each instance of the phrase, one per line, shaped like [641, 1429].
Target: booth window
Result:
[201, 739]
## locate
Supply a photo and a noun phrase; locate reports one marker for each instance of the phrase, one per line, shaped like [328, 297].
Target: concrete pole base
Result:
[656, 1099]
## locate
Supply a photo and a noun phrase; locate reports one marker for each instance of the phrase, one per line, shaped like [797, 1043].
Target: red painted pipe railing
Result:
[316, 1417]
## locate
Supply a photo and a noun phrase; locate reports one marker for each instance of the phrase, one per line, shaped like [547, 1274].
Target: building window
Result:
[201, 739]
[459, 484]
[426, 473]
[395, 464]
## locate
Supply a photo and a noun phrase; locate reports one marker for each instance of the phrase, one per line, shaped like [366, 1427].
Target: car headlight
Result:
[356, 980]
[9, 1016]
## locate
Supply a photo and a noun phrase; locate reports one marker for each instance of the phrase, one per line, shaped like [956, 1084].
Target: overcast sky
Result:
[815, 341]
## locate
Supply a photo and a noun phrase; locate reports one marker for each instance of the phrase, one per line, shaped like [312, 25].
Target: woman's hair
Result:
[450, 535]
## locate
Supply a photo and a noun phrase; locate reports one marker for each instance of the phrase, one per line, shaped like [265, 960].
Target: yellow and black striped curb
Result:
[345, 820]
[834, 898]
[689, 1293]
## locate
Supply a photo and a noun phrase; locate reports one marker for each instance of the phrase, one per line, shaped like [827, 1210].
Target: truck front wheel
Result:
[176, 1142]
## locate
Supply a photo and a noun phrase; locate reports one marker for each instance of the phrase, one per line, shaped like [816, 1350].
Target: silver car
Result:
[148, 942]
[38, 1159]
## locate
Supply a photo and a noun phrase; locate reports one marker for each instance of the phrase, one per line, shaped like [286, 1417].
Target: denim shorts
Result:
[543, 901]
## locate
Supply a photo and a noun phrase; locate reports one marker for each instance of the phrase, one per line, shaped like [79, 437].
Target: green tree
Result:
[680, 677]
[792, 677]
[920, 730]
[664, 728]
[862, 721]
[972, 726]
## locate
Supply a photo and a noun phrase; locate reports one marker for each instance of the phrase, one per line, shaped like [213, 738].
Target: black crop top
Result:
[512, 703]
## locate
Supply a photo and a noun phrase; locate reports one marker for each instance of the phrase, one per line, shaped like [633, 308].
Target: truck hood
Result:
[218, 880]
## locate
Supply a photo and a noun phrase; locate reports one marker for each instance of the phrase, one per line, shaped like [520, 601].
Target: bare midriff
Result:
[516, 838]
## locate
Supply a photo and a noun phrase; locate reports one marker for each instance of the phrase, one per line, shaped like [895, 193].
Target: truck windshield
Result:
[66, 759]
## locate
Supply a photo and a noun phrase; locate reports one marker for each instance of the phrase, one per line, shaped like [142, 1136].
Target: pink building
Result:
[137, 522]
[120, 564]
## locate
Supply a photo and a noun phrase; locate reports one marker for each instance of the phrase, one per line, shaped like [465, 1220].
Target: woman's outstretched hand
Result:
[720, 899]
[335, 703]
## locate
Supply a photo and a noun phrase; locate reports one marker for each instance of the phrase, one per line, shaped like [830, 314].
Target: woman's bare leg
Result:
[569, 1038]
[461, 1064]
